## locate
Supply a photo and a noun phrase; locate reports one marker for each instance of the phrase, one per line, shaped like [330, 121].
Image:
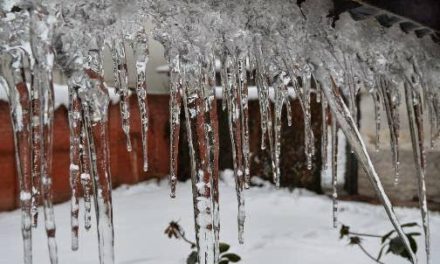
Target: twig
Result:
[365, 235]
[369, 255]
[182, 235]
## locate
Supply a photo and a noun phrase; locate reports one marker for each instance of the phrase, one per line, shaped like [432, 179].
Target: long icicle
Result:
[281, 96]
[263, 99]
[140, 48]
[334, 164]
[175, 108]
[36, 139]
[19, 101]
[212, 144]
[201, 178]
[96, 119]
[235, 134]
[244, 93]
[308, 133]
[375, 94]
[46, 168]
[75, 124]
[121, 86]
[415, 118]
[391, 101]
[324, 140]
[86, 176]
[349, 127]
[41, 33]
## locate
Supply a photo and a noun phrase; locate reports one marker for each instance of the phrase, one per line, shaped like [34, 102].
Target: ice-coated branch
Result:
[349, 127]
[415, 117]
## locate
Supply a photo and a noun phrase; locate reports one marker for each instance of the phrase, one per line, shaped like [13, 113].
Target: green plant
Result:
[390, 242]
[176, 231]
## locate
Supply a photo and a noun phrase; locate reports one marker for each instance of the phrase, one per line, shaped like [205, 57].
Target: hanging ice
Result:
[175, 107]
[120, 72]
[391, 102]
[275, 41]
[201, 176]
[415, 117]
[334, 165]
[140, 47]
[348, 126]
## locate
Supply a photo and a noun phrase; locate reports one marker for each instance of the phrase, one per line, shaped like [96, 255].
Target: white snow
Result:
[281, 227]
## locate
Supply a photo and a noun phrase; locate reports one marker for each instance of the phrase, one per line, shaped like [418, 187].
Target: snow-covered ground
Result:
[281, 227]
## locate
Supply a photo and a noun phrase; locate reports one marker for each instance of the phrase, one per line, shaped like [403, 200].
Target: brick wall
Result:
[125, 167]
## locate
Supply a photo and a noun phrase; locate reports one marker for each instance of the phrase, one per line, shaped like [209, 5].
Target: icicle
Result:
[431, 116]
[36, 139]
[324, 140]
[375, 94]
[281, 96]
[41, 43]
[235, 132]
[391, 101]
[212, 144]
[243, 93]
[95, 100]
[349, 127]
[19, 101]
[201, 176]
[140, 48]
[308, 133]
[46, 169]
[85, 177]
[121, 86]
[415, 117]
[94, 104]
[175, 107]
[334, 164]
[304, 99]
[75, 125]
[263, 98]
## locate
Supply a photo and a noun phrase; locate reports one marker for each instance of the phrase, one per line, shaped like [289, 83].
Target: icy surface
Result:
[289, 227]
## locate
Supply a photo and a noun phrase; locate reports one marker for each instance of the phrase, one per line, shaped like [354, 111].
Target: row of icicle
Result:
[193, 83]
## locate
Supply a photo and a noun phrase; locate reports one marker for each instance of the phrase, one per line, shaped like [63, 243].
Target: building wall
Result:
[126, 168]
[406, 191]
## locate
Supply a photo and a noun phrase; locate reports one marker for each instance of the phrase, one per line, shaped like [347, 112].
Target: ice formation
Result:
[276, 44]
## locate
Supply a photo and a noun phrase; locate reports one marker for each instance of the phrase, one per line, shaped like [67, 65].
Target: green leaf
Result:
[232, 257]
[413, 243]
[398, 248]
[224, 261]
[223, 247]
[192, 258]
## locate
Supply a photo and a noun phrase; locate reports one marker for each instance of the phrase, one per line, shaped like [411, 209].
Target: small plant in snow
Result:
[176, 231]
[390, 242]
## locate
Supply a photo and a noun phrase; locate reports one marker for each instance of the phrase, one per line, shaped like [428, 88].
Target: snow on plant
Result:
[390, 243]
